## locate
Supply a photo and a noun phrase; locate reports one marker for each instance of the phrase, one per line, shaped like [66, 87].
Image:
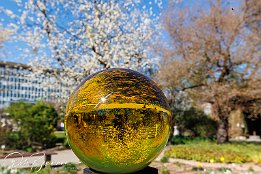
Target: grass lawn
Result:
[59, 134]
[209, 151]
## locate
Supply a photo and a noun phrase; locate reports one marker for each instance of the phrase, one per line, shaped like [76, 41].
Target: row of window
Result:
[29, 88]
[12, 72]
[27, 94]
[5, 71]
[20, 95]
[23, 80]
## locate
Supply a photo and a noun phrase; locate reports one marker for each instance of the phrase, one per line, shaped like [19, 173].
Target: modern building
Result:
[19, 83]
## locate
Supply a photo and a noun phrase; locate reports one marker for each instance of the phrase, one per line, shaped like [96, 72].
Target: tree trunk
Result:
[222, 132]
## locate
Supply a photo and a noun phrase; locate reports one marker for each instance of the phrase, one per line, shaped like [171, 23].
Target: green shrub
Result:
[29, 149]
[15, 140]
[195, 122]
[4, 131]
[189, 140]
[36, 123]
[178, 140]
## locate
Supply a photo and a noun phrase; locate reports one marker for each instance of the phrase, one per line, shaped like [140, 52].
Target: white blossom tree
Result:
[3, 36]
[74, 38]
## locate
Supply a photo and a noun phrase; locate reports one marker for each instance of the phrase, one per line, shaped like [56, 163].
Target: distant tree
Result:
[214, 56]
[35, 124]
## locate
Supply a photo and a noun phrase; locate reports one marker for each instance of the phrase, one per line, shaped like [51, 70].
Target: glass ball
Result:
[117, 121]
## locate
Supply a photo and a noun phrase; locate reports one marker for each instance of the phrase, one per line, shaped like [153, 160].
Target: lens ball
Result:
[117, 121]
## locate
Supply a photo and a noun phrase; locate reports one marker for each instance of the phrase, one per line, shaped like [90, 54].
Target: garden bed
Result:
[207, 151]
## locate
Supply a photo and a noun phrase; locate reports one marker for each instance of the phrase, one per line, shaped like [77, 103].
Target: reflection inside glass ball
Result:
[117, 121]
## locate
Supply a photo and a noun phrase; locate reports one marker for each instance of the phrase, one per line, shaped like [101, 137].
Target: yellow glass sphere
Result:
[117, 121]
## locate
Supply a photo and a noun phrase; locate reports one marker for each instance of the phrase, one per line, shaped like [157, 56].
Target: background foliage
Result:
[35, 125]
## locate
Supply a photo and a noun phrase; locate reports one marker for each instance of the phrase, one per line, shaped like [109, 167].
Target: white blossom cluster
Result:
[74, 38]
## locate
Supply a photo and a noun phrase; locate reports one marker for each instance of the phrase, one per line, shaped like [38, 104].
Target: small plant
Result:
[29, 149]
[179, 164]
[250, 169]
[165, 171]
[164, 159]
[5, 170]
[70, 168]
[198, 169]
[225, 171]
[46, 170]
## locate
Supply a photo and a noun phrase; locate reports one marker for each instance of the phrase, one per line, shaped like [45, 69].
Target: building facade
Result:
[18, 83]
